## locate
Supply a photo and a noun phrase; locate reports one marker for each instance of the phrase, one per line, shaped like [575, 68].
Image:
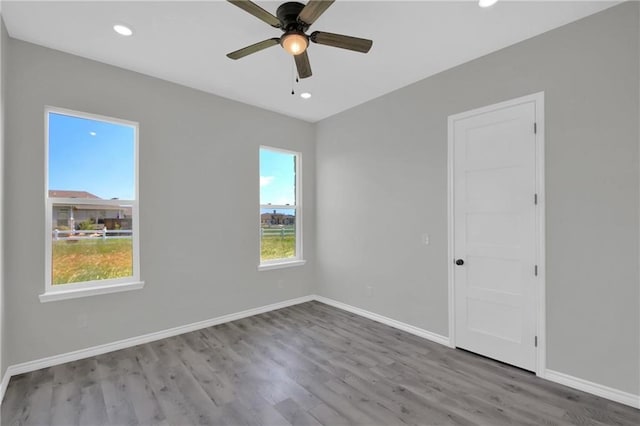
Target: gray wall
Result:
[198, 204]
[382, 183]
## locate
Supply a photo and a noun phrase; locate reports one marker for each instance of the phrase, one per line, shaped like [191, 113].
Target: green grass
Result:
[98, 259]
[91, 259]
[277, 247]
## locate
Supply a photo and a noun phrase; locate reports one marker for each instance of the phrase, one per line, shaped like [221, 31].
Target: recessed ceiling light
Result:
[487, 3]
[305, 95]
[92, 133]
[123, 30]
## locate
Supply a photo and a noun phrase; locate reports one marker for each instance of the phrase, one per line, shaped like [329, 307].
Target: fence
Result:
[104, 233]
[277, 232]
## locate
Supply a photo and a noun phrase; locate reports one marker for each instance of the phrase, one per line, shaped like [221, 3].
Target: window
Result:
[280, 208]
[91, 205]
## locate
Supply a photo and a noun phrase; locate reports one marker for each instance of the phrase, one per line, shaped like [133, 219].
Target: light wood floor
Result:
[308, 364]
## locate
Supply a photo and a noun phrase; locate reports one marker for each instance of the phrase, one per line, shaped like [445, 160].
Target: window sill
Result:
[54, 296]
[280, 265]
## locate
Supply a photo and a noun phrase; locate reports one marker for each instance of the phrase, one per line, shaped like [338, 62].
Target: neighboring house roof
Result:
[55, 193]
[125, 209]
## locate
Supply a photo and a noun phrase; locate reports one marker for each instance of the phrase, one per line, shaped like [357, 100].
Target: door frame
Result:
[538, 99]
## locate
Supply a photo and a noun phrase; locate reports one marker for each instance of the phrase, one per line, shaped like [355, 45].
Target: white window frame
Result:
[298, 260]
[89, 288]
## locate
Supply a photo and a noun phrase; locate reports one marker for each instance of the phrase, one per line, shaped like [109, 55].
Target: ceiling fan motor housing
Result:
[288, 13]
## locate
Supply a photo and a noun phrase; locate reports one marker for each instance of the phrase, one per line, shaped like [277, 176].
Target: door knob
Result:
[459, 262]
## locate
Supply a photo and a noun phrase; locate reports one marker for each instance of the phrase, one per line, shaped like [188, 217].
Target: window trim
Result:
[89, 288]
[298, 260]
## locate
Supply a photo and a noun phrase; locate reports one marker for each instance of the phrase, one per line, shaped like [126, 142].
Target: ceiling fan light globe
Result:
[294, 43]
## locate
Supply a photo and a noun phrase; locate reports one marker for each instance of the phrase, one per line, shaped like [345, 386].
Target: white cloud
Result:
[265, 180]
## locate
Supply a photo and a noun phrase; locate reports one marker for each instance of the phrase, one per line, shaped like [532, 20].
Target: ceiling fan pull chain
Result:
[293, 78]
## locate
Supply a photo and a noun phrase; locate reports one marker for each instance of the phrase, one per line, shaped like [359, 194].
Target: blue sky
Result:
[97, 157]
[277, 178]
[91, 155]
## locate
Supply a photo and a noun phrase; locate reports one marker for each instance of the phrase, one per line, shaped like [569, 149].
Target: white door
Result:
[494, 232]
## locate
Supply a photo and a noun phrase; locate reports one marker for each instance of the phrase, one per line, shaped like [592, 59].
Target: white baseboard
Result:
[593, 388]
[4, 383]
[387, 321]
[139, 340]
[554, 376]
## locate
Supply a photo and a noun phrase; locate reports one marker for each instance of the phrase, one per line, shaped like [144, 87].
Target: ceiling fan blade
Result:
[303, 65]
[313, 10]
[342, 41]
[257, 11]
[241, 53]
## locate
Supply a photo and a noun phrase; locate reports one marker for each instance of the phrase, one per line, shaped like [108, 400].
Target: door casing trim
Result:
[538, 99]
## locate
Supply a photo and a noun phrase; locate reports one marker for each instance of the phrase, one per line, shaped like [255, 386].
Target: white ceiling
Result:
[186, 42]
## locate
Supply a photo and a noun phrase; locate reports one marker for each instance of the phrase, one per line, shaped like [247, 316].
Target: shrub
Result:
[85, 225]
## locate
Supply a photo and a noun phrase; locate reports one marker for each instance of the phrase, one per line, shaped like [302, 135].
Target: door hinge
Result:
[535, 270]
[535, 128]
[535, 199]
[535, 341]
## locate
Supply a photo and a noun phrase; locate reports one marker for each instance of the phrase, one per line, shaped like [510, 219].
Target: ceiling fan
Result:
[294, 19]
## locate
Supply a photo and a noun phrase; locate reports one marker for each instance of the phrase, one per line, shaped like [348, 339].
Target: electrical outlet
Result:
[280, 284]
[425, 239]
[369, 291]
[82, 321]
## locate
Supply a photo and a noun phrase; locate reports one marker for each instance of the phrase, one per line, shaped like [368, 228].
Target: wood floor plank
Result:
[309, 364]
[65, 406]
[295, 414]
[35, 394]
[258, 411]
[327, 416]
[92, 406]
[119, 406]
[179, 395]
